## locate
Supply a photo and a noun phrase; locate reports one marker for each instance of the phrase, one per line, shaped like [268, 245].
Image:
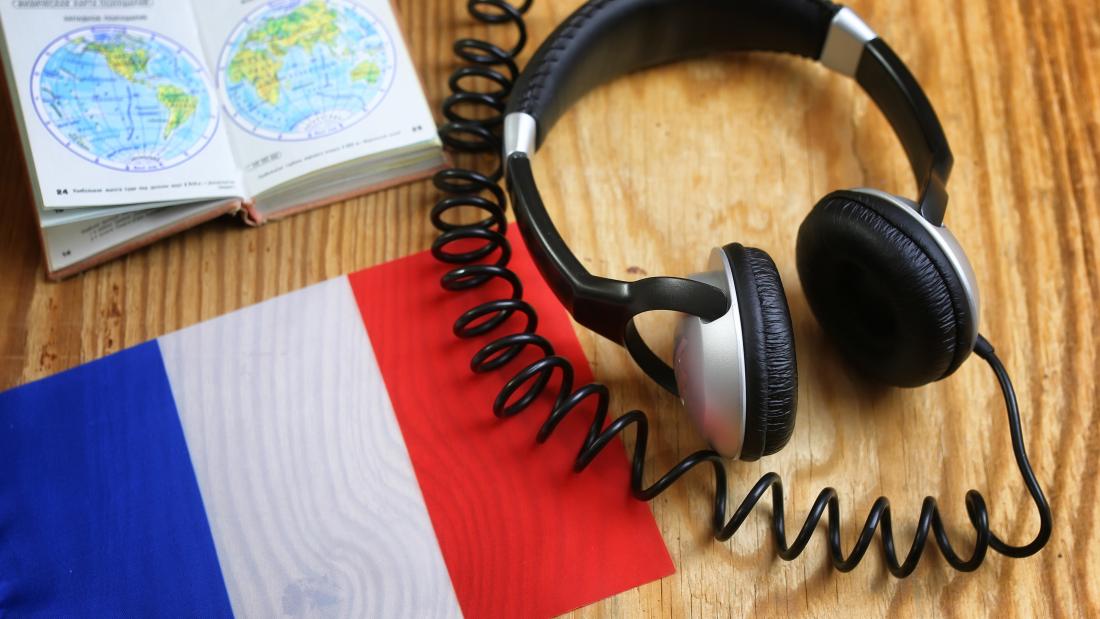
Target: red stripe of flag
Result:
[521, 534]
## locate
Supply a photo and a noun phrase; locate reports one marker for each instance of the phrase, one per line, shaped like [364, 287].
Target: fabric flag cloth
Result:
[324, 453]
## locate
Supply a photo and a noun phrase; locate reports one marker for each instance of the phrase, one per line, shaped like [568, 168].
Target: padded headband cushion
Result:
[883, 289]
[608, 38]
[771, 372]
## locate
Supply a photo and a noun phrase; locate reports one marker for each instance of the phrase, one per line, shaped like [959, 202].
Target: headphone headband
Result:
[605, 39]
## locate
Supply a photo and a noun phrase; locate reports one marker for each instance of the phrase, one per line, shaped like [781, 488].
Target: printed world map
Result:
[301, 70]
[124, 98]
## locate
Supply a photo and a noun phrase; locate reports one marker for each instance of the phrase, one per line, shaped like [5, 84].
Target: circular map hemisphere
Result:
[302, 69]
[124, 97]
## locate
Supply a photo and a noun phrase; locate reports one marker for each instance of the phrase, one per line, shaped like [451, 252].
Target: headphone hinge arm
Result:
[885, 78]
[933, 199]
[607, 306]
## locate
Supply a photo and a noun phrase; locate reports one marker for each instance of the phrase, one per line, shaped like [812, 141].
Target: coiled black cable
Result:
[470, 189]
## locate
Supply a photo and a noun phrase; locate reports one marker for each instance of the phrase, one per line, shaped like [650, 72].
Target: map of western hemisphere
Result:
[298, 70]
[124, 98]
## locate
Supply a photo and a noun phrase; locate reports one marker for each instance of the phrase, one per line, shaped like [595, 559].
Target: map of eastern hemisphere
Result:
[124, 98]
[304, 69]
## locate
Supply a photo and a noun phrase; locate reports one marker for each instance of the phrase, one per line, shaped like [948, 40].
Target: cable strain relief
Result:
[982, 347]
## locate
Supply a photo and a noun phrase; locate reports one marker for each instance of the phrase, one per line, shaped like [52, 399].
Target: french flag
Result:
[324, 453]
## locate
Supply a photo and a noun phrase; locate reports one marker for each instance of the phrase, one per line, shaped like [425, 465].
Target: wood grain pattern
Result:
[739, 148]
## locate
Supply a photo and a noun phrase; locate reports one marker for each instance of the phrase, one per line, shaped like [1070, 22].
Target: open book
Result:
[140, 118]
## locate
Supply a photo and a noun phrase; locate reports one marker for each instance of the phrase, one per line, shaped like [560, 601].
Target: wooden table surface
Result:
[661, 167]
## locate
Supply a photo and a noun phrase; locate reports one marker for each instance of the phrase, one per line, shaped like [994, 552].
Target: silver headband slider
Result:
[848, 35]
[520, 130]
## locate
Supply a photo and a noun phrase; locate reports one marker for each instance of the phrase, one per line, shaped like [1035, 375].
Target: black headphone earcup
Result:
[883, 289]
[771, 371]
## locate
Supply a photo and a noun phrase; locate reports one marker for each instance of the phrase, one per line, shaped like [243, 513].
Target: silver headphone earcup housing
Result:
[709, 362]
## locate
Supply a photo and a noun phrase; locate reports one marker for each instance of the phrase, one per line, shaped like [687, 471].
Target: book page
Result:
[48, 218]
[116, 103]
[71, 243]
[309, 84]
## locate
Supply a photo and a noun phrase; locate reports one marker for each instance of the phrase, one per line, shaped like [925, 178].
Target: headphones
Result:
[883, 276]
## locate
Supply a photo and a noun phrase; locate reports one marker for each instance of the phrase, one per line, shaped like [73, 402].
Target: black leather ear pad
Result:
[882, 288]
[771, 374]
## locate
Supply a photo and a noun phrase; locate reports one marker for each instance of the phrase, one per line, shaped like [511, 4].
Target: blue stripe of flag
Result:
[100, 511]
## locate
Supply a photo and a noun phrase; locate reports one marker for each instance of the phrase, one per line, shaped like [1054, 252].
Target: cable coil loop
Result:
[470, 189]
